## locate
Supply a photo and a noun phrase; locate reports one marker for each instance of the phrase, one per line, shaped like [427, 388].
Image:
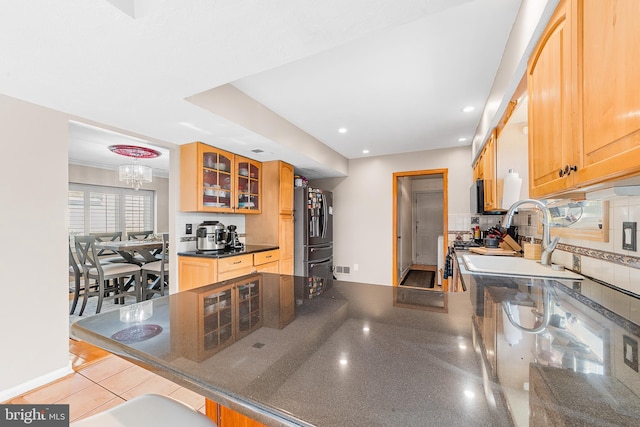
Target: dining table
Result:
[128, 249]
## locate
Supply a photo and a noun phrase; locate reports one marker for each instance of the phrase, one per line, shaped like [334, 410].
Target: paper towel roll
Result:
[511, 189]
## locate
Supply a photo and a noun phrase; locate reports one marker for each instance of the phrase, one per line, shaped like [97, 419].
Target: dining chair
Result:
[75, 271]
[108, 237]
[109, 278]
[139, 235]
[159, 269]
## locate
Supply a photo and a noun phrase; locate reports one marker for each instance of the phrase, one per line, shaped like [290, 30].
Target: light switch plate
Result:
[629, 236]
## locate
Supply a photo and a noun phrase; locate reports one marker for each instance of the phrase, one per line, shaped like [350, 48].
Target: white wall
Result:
[34, 277]
[363, 206]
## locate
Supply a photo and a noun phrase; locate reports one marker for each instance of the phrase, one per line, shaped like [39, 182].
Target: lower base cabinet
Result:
[194, 272]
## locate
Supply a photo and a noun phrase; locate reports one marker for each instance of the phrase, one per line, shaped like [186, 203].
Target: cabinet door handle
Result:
[269, 256]
[572, 168]
[561, 173]
[237, 262]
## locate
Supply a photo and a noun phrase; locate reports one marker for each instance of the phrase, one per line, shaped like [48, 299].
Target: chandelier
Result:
[134, 173]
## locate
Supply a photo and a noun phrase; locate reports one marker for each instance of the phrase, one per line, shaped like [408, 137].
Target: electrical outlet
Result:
[630, 350]
[355, 267]
[629, 236]
[188, 229]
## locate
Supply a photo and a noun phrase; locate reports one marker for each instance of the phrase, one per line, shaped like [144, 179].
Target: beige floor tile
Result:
[189, 397]
[58, 390]
[105, 368]
[126, 380]
[108, 405]
[87, 400]
[155, 384]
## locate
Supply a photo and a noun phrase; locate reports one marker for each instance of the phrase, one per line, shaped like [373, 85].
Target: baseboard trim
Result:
[23, 388]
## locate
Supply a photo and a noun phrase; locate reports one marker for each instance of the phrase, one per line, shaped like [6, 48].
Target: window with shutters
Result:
[100, 209]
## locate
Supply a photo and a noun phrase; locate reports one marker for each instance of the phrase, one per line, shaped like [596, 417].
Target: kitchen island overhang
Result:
[319, 351]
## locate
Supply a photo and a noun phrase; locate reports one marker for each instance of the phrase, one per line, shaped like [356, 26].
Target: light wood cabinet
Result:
[234, 266]
[551, 136]
[583, 97]
[194, 272]
[489, 174]
[608, 46]
[200, 271]
[248, 181]
[275, 225]
[485, 169]
[206, 179]
[214, 180]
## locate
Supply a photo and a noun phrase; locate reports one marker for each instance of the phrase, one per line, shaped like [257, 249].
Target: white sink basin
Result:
[512, 266]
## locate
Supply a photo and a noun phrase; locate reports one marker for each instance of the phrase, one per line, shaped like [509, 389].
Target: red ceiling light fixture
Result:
[134, 173]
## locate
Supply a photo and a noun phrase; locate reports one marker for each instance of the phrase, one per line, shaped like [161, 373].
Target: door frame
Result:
[445, 215]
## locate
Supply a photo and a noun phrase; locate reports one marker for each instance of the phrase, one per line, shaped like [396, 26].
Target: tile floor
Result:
[101, 381]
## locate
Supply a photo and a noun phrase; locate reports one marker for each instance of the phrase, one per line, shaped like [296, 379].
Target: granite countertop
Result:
[248, 249]
[310, 351]
[578, 365]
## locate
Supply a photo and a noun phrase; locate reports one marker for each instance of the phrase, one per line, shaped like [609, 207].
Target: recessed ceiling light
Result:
[468, 109]
[462, 139]
[343, 130]
[365, 151]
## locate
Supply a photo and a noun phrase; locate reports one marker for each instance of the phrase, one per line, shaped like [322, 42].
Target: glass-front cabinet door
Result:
[249, 306]
[217, 324]
[248, 185]
[217, 179]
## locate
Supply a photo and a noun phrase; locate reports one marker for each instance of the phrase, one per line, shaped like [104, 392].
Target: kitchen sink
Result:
[514, 266]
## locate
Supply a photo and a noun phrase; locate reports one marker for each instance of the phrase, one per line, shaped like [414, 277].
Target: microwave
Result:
[477, 200]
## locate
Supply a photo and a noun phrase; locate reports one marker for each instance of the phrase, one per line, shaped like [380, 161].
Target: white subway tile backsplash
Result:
[634, 280]
[621, 276]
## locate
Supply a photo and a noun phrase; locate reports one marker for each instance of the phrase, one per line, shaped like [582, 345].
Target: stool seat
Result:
[147, 410]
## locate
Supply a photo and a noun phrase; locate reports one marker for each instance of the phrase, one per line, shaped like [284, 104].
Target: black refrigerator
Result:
[313, 228]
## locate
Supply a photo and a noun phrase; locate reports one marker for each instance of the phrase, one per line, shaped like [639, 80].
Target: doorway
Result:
[419, 223]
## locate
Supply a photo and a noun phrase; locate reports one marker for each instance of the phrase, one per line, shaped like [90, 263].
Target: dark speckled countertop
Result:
[566, 355]
[289, 350]
[248, 249]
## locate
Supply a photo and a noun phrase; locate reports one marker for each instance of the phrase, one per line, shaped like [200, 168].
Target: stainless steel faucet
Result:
[548, 245]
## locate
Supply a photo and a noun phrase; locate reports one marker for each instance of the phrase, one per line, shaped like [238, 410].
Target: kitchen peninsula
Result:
[287, 350]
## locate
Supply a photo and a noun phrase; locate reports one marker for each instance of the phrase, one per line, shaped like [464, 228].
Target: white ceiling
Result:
[396, 73]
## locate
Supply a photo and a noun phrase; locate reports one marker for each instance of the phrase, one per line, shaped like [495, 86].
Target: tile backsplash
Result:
[605, 261]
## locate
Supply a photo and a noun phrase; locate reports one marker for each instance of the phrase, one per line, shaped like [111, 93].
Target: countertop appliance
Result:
[313, 228]
[233, 242]
[211, 236]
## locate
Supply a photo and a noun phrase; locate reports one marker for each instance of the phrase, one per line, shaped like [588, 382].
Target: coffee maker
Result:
[211, 236]
[233, 242]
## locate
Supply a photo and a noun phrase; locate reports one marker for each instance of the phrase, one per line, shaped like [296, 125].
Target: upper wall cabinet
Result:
[248, 176]
[608, 41]
[485, 169]
[213, 180]
[550, 138]
[584, 126]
